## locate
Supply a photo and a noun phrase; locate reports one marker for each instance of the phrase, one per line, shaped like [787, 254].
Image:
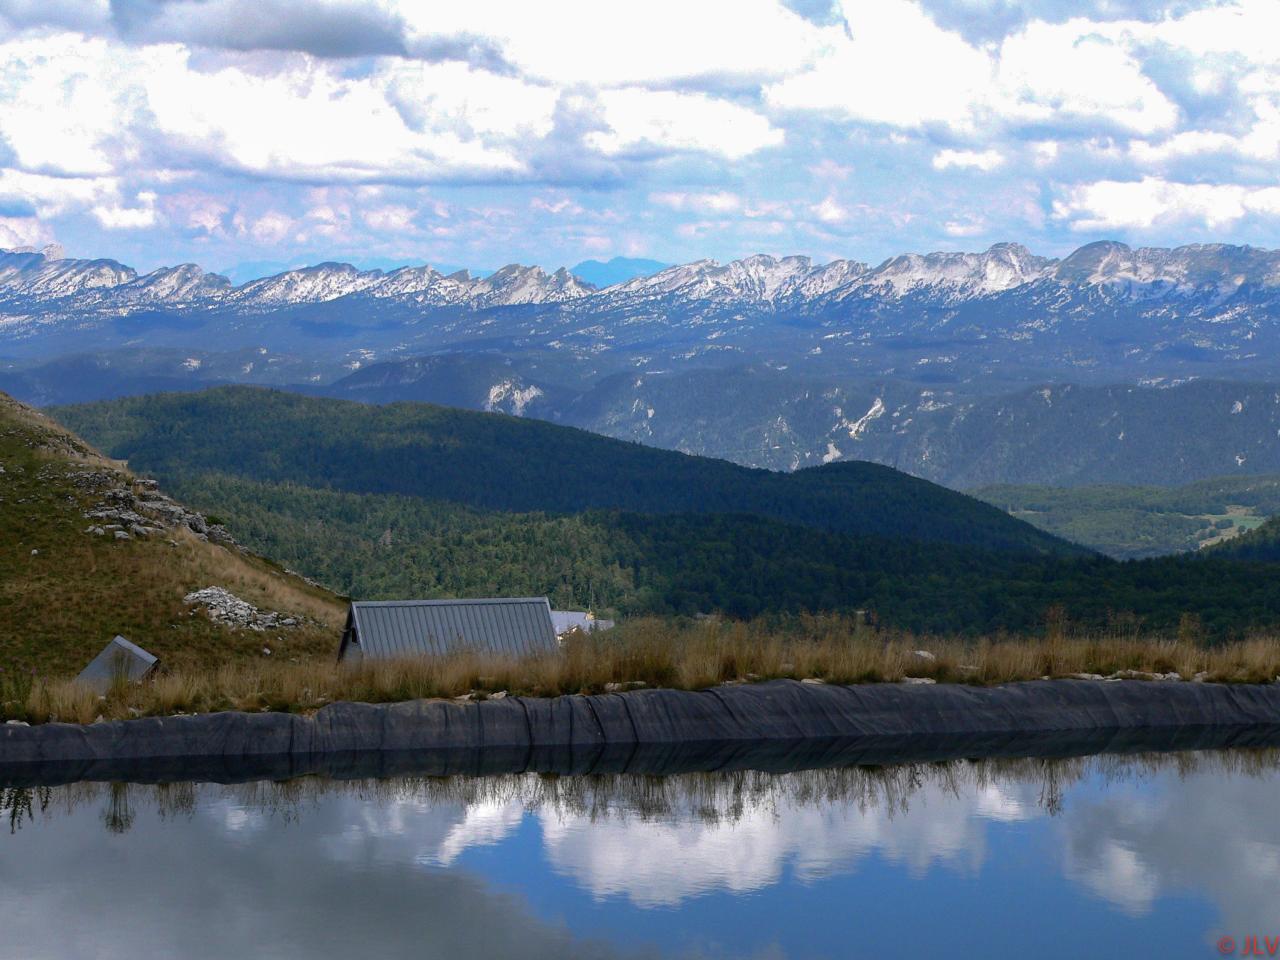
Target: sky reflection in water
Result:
[1104, 857]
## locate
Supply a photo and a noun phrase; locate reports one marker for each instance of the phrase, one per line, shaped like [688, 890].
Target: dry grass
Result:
[656, 653]
[65, 593]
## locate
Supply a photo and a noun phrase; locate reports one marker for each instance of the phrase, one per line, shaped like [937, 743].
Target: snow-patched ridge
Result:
[26, 273]
[760, 281]
[759, 278]
[1002, 267]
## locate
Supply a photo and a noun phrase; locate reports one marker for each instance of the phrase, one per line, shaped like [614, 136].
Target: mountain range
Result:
[964, 368]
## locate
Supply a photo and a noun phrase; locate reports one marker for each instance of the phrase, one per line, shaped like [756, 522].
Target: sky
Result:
[485, 132]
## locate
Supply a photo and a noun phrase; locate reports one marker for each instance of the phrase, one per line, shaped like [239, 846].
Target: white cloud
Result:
[62, 98]
[115, 216]
[92, 107]
[639, 118]
[51, 196]
[24, 232]
[878, 73]
[968, 159]
[393, 218]
[829, 210]
[1078, 70]
[657, 43]
[270, 228]
[561, 205]
[964, 228]
[1143, 204]
[1044, 73]
[714, 202]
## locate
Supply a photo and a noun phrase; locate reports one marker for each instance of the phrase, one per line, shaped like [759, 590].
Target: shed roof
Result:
[118, 658]
[403, 628]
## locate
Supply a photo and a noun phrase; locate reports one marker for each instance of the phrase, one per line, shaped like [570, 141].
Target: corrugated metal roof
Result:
[407, 628]
[120, 657]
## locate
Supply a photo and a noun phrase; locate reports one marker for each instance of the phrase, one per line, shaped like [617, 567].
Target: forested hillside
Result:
[243, 455]
[497, 462]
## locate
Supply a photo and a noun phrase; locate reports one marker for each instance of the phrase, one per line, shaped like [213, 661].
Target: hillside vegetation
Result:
[496, 462]
[1142, 521]
[1260, 545]
[65, 591]
[375, 544]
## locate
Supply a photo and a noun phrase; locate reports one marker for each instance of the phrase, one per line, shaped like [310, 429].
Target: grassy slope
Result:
[506, 463]
[1142, 521]
[65, 593]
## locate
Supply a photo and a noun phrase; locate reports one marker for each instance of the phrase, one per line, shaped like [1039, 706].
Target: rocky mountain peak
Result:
[1001, 267]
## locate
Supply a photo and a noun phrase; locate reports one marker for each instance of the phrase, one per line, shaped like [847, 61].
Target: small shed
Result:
[566, 620]
[119, 659]
[390, 629]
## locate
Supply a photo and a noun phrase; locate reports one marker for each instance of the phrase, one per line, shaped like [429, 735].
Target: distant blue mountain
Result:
[617, 270]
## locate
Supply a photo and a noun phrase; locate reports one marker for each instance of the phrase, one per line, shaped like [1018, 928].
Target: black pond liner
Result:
[778, 726]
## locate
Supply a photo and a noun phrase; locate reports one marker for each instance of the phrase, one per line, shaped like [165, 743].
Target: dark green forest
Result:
[496, 462]
[227, 453]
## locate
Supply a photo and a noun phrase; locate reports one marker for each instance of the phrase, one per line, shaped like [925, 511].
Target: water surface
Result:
[1150, 856]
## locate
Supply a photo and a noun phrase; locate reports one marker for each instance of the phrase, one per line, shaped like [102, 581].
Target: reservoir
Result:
[1151, 855]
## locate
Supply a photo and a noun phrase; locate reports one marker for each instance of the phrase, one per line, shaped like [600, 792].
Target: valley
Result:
[1143, 521]
[412, 499]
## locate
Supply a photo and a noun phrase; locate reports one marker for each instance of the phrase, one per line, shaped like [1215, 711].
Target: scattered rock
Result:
[225, 607]
[266, 651]
[500, 695]
[16, 723]
[924, 655]
[918, 680]
[812, 680]
[1142, 675]
[1085, 676]
[121, 535]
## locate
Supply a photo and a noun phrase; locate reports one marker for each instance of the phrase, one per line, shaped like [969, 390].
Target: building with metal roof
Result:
[390, 629]
[119, 660]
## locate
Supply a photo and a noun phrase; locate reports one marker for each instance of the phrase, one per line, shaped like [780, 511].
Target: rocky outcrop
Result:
[136, 508]
[225, 607]
[658, 730]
